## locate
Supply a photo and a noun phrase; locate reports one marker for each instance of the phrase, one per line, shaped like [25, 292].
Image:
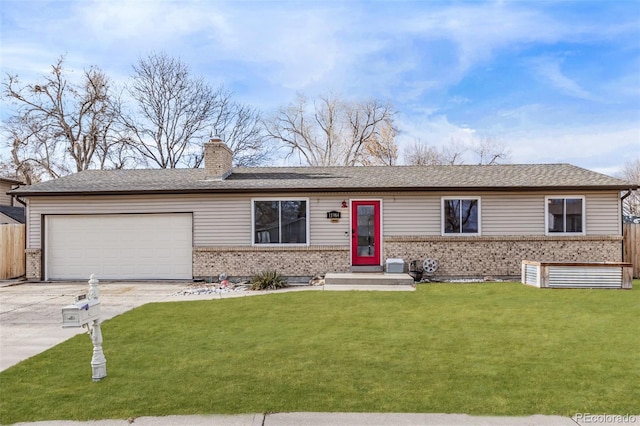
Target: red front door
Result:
[365, 233]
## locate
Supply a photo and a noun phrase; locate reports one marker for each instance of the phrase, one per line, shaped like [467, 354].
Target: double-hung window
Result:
[282, 221]
[461, 215]
[565, 215]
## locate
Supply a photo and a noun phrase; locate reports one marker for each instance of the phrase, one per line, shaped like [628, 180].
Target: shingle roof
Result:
[316, 179]
[11, 181]
[14, 212]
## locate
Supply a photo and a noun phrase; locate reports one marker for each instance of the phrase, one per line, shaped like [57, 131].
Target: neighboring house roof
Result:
[13, 212]
[11, 181]
[318, 179]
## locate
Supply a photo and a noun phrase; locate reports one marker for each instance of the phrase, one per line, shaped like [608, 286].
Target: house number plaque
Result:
[333, 215]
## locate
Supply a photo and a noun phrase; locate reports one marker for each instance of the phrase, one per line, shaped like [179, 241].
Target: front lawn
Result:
[482, 349]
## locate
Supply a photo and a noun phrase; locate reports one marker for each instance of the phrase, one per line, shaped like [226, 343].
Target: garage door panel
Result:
[137, 246]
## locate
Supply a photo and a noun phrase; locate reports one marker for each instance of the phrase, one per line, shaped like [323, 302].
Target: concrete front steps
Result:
[367, 279]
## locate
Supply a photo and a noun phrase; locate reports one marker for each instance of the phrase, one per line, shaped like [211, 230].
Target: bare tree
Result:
[485, 151]
[420, 154]
[176, 112]
[244, 134]
[8, 169]
[489, 151]
[631, 173]
[332, 131]
[241, 127]
[381, 149]
[58, 124]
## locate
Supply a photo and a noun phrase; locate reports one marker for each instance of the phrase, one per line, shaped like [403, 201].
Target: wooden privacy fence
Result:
[12, 257]
[631, 250]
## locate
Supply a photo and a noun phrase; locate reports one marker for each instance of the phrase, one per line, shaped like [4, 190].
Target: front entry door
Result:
[365, 233]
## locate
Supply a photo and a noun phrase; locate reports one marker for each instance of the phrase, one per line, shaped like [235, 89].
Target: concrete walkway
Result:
[325, 419]
[30, 323]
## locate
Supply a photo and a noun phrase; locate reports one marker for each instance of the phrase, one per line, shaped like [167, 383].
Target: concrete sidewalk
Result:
[31, 322]
[326, 419]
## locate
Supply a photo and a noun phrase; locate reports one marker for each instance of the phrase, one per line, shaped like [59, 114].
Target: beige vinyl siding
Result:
[411, 215]
[501, 214]
[33, 229]
[506, 213]
[603, 214]
[225, 220]
[217, 220]
[221, 220]
[5, 200]
[512, 214]
[322, 230]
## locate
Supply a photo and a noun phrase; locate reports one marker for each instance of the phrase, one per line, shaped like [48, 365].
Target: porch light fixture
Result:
[344, 204]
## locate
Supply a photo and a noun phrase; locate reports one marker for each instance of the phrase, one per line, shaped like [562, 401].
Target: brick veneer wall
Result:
[288, 261]
[33, 264]
[457, 257]
[500, 256]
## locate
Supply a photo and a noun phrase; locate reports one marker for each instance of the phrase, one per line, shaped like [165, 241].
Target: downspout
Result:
[26, 223]
[15, 197]
[629, 192]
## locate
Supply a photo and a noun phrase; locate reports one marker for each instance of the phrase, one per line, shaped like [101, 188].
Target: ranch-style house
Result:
[474, 220]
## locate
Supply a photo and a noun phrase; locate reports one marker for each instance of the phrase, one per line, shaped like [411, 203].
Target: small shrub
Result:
[269, 280]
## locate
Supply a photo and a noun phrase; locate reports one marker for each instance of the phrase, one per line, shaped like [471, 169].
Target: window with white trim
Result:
[564, 215]
[280, 221]
[460, 215]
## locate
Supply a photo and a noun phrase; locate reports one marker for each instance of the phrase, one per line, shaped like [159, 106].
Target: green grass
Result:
[499, 349]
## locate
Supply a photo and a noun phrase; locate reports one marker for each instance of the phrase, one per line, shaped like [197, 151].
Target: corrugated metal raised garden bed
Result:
[577, 274]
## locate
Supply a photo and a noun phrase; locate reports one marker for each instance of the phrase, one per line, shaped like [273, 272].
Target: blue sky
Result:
[555, 81]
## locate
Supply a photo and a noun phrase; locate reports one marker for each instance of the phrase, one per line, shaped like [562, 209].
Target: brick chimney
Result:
[217, 159]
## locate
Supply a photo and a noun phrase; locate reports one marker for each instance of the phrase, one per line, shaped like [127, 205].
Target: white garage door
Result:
[124, 246]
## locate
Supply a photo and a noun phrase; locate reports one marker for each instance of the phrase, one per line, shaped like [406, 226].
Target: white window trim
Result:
[460, 234]
[253, 221]
[564, 197]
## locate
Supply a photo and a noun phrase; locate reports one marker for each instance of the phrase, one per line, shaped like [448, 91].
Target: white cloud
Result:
[548, 69]
[434, 130]
[597, 146]
[303, 46]
[530, 137]
[153, 22]
[404, 51]
[480, 30]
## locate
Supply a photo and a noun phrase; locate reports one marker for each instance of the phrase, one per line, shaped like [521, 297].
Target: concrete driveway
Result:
[31, 313]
